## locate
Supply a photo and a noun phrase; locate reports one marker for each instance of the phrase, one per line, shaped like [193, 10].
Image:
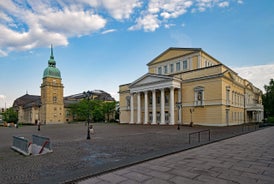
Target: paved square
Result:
[246, 159]
[110, 147]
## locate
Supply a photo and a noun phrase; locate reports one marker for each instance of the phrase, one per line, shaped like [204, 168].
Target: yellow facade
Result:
[188, 85]
[52, 102]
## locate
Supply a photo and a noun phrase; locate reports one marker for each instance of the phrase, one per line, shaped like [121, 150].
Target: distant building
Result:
[186, 85]
[51, 107]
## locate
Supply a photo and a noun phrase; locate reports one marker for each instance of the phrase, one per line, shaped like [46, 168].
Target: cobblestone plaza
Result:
[111, 146]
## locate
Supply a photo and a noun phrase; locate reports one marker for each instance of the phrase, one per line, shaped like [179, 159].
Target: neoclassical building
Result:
[51, 107]
[186, 85]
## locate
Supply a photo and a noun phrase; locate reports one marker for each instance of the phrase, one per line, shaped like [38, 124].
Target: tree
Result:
[268, 99]
[108, 108]
[87, 108]
[10, 115]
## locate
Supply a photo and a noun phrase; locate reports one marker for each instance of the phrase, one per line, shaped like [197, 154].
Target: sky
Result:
[101, 44]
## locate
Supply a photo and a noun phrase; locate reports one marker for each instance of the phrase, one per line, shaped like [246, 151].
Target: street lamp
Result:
[87, 96]
[179, 106]
[191, 111]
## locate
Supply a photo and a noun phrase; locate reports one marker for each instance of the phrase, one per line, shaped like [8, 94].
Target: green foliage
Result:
[108, 109]
[10, 115]
[268, 99]
[95, 109]
[270, 120]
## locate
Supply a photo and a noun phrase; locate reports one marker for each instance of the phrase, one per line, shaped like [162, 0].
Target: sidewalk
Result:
[243, 159]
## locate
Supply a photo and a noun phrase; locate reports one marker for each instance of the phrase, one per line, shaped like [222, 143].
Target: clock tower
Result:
[52, 101]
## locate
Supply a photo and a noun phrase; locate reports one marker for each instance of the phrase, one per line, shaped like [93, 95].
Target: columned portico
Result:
[155, 99]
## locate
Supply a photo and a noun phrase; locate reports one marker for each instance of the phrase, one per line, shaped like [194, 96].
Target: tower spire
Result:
[51, 51]
[51, 61]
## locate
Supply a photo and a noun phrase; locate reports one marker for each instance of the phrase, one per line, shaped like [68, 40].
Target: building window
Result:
[166, 99]
[185, 65]
[150, 99]
[128, 102]
[165, 69]
[160, 70]
[199, 96]
[54, 99]
[171, 68]
[158, 99]
[178, 66]
[227, 95]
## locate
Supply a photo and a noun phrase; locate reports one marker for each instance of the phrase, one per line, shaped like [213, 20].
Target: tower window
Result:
[54, 99]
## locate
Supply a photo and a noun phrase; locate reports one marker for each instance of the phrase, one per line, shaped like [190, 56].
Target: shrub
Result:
[270, 119]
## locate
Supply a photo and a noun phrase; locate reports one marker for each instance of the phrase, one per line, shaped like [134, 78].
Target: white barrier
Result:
[21, 145]
[40, 145]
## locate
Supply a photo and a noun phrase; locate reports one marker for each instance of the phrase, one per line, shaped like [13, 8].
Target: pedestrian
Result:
[91, 130]
[39, 124]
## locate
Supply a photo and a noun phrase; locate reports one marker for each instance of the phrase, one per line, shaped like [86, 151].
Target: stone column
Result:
[171, 107]
[146, 108]
[154, 107]
[138, 108]
[162, 106]
[131, 109]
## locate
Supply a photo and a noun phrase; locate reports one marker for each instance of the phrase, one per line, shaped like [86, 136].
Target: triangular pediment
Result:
[229, 75]
[249, 86]
[148, 79]
[172, 53]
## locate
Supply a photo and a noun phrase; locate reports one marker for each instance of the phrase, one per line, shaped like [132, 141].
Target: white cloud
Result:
[223, 4]
[41, 23]
[2, 96]
[148, 23]
[121, 9]
[109, 31]
[29, 24]
[258, 75]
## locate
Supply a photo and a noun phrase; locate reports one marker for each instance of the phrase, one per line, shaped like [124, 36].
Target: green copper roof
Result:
[51, 70]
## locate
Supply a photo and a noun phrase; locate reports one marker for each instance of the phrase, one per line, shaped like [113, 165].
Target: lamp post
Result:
[179, 106]
[88, 95]
[191, 111]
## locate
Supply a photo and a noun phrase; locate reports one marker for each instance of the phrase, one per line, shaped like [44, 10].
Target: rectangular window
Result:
[54, 99]
[166, 99]
[171, 68]
[199, 96]
[158, 98]
[227, 96]
[178, 66]
[185, 65]
[160, 70]
[165, 69]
